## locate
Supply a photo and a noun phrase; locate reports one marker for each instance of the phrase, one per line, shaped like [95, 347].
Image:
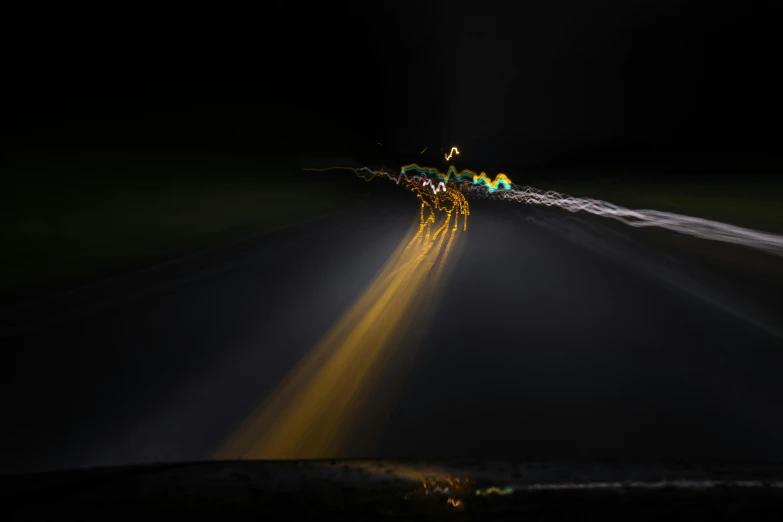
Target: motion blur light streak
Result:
[421, 173]
[312, 411]
[440, 187]
[693, 226]
[483, 187]
[494, 491]
[501, 180]
[663, 484]
[451, 153]
[365, 173]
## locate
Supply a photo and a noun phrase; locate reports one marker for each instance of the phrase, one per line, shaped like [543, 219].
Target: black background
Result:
[516, 85]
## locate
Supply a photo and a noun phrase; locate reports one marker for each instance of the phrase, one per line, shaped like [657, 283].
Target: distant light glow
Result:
[451, 153]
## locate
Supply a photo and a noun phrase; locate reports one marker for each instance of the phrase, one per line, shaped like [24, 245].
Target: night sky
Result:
[517, 86]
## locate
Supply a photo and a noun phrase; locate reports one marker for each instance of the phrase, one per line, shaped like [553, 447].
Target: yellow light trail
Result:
[422, 152]
[313, 410]
[495, 491]
[451, 152]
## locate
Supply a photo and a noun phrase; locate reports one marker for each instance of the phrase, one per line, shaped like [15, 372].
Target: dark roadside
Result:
[404, 489]
[81, 233]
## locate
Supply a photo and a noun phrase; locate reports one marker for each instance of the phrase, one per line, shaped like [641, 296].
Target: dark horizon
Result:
[561, 85]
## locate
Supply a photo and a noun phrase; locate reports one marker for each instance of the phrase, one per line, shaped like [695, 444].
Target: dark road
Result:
[552, 335]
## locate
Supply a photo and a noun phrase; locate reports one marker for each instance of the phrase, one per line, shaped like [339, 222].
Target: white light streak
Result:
[692, 226]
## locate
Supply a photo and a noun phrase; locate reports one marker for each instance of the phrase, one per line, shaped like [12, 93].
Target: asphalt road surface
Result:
[553, 335]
